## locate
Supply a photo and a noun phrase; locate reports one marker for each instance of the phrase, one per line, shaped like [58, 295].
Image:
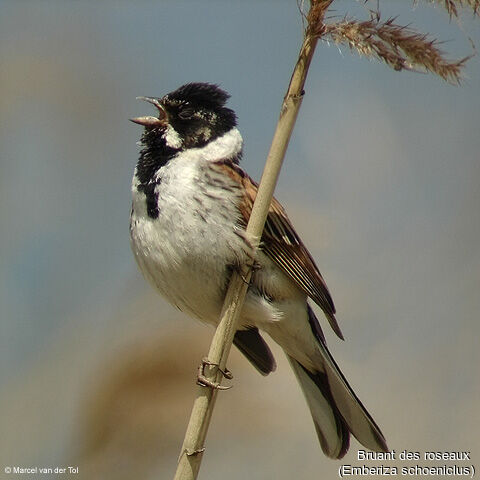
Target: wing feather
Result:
[281, 243]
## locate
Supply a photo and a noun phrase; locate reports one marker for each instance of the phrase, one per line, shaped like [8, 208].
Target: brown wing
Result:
[281, 244]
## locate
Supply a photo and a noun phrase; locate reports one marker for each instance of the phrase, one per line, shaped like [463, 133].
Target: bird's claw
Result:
[203, 381]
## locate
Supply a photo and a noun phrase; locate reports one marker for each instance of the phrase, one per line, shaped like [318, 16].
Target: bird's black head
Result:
[189, 117]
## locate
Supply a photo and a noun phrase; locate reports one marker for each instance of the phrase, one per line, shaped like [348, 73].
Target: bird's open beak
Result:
[149, 121]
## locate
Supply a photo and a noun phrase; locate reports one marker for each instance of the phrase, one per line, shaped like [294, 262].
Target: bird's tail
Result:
[335, 408]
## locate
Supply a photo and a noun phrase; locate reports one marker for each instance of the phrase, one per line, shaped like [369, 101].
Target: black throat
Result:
[153, 156]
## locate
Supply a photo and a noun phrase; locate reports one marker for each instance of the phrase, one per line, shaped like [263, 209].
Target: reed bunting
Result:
[191, 205]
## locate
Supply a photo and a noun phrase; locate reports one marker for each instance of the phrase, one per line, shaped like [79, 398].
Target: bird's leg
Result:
[238, 268]
[203, 381]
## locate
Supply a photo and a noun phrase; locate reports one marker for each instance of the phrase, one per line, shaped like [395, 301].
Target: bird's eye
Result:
[186, 113]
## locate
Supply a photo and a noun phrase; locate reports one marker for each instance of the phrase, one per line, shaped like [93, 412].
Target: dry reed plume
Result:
[452, 6]
[400, 46]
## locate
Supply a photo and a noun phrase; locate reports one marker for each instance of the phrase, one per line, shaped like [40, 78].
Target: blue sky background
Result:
[382, 179]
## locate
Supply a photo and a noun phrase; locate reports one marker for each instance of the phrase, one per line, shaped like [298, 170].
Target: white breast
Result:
[186, 251]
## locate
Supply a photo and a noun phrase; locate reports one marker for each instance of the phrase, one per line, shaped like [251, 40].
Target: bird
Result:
[191, 202]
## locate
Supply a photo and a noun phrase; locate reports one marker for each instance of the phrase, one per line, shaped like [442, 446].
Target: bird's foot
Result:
[203, 381]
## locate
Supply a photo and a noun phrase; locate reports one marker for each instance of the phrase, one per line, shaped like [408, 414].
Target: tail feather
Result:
[335, 408]
[356, 416]
[332, 431]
